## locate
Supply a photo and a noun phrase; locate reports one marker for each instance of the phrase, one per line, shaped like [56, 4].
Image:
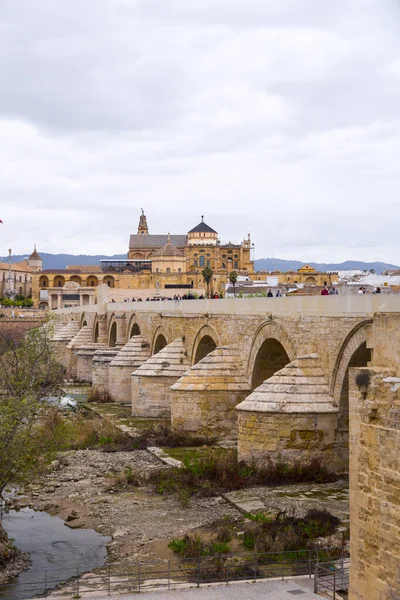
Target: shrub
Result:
[99, 396]
[194, 547]
[288, 533]
[162, 434]
[218, 471]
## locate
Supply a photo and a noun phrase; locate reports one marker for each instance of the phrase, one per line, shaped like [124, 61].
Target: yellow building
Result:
[305, 276]
[162, 262]
[18, 278]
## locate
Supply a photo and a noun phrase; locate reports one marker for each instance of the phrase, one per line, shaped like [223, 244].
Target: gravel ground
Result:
[140, 522]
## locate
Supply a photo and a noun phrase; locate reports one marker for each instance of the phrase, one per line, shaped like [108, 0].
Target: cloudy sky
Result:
[275, 117]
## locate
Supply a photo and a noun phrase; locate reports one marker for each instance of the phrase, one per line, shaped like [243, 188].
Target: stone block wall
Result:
[206, 412]
[84, 364]
[151, 396]
[101, 364]
[286, 436]
[120, 383]
[374, 487]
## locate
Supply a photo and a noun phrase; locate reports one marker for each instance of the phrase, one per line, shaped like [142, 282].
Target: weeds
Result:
[193, 547]
[99, 396]
[123, 480]
[287, 532]
[218, 471]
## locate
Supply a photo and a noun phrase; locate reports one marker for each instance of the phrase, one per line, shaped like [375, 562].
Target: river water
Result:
[57, 552]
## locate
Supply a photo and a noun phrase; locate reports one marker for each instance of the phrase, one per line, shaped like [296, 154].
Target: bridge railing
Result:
[314, 305]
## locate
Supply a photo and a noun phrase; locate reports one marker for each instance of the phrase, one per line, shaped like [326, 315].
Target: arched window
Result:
[202, 261]
[236, 264]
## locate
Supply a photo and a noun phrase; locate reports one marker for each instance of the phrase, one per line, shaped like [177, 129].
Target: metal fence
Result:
[119, 578]
[332, 578]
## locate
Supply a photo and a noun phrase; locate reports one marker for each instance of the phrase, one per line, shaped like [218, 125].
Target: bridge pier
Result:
[129, 358]
[290, 417]
[152, 381]
[205, 398]
[101, 363]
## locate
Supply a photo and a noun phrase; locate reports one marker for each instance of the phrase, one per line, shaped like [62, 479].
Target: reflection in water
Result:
[57, 552]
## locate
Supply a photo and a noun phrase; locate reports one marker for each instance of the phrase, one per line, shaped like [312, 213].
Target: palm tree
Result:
[207, 273]
[233, 277]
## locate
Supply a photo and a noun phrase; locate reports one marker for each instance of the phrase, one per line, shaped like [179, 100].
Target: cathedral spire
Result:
[143, 229]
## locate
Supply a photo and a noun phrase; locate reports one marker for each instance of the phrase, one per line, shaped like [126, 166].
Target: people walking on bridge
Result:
[270, 294]
[324, 291]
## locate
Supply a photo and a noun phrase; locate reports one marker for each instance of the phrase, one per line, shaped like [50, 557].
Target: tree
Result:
[207, 273]
[29, 373]
[233, 277]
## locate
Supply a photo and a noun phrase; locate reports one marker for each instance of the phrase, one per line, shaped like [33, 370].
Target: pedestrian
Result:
[378, 290]
[270, 294]
[360, 291]
[278, 294]
[324, 291]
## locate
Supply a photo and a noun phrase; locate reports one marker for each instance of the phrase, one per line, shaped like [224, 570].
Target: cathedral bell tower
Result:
[143, 229]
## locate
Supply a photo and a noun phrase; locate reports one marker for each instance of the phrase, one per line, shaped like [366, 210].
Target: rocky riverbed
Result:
[80, 490]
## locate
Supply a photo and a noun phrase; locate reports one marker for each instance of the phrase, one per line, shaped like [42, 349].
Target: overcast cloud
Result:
[275, 117]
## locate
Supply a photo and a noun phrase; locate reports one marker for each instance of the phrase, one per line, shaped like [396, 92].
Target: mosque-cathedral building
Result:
[154, 262]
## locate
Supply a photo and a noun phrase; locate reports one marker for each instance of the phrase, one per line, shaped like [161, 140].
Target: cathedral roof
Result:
[155, 241]
[168, 249]
[202, 228]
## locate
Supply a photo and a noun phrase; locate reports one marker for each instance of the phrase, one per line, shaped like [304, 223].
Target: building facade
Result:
[18, 278]
[158, 263]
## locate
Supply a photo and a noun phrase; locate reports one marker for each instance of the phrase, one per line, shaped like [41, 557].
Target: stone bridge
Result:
[271, 373]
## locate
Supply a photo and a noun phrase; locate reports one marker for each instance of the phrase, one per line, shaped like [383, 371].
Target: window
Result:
[195, 263]
[157, 270]
[236, 264]
[179, 270]
[208, 263]
[202, 261]
[168, 270]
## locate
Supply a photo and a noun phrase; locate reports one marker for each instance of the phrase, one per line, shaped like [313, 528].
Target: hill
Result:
[60, 261]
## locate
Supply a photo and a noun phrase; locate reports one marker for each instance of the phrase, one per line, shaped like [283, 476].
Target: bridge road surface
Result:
[261, 590]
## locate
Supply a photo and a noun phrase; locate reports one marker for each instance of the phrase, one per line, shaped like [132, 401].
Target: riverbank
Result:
[82, 489]
[12, 560]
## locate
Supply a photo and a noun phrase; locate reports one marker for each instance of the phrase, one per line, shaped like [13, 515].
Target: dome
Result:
[168, 250]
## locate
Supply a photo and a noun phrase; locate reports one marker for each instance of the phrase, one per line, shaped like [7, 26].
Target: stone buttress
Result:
[83, 337]
[204, 399]
[289, 417]
[152, 381]
[61, 338]
[100, 370]
[129, 358]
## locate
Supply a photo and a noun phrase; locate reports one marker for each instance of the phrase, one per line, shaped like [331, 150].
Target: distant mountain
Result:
[60, 261]
[277, 264]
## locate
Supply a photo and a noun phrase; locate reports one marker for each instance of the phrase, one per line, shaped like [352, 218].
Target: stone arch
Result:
[112, 332]
[84, 321]
[271, 350]
[96, 331]
[112, 335]
[159, 341]
[357, 336]
[59, 281]
[76, 279]
[353, 353]
[311, 281]
[134, 327]
[205, 342]
[109, 280]
[92, 281]
[43, 281]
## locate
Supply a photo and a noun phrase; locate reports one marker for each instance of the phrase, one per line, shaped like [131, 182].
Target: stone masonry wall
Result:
[151, 396]
[210, 413]
[374, 487]
[286, 436]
